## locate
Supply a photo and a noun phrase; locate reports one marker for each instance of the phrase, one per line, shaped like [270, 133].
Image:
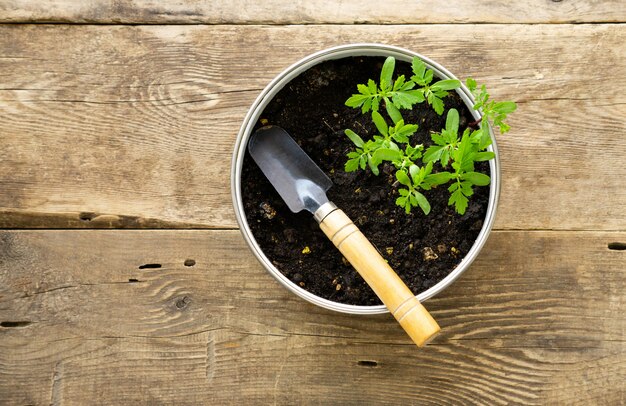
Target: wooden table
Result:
[124, 278]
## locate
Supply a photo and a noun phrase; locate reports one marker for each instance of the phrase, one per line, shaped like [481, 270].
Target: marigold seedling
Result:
[414, 166]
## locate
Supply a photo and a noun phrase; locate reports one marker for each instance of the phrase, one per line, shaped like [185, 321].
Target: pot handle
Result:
[401, 302]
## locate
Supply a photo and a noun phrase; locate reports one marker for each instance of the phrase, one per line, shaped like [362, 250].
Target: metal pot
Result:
[257, 109]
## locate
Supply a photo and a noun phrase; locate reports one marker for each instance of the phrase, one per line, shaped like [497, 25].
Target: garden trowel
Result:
[303, 185]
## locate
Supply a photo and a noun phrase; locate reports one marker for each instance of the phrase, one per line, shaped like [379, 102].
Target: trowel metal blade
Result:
[296, 178]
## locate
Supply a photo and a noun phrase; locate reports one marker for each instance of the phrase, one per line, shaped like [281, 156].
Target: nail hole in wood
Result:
[367, 363]
[133, 280]
[190, 262]
[14, 323]
[149, 266]
[86, 216]
[617, 246]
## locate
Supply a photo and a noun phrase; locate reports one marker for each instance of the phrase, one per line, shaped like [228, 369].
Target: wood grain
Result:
[538, 319]
[139, 123]
[311, 12]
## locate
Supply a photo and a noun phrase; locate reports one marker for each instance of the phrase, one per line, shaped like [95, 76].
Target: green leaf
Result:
[354, 137]
[433, 153]
[352, 165]
[476, 178]
[356, 100]
[386, 73]
[371, 86]
[438, 178]
[471, 84]
[423, 202]
[437, 104]
[406, 99]
[387, 154]
[446, 84]
[438, 139]
[373, 167]
[452, 121]
[403, 192]
[505, 107]
[403, 132]
[484, 156]
[393, 112]
[419, 68]
[459, 201]
[466, 188]
[380, 123]
[414, 170]
[364, 90]
[403, 178]
[445, 157]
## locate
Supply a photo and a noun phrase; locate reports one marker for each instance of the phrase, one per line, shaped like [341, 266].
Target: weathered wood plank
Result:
[140, 122]
[538, 319]
[311, 12]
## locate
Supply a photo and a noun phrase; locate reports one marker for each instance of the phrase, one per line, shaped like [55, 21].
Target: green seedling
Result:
[383, 147]
[435, 92]
[414, 167]
[493, 112]
[400, 93]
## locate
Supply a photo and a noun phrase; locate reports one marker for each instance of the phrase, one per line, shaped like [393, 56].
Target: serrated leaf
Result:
[371, 86]
[403, 178]
[418, 67]
[352, 165]
[476, 178]
[367, 105]
[466, 188]
[433, 153]
[401, 201]
[363, 89]
[356, 100]
[354, 137]
[399, 83]
[437, 104]
[445, 157]
[403, 132]
[438, 139]
[403, 192]
[406, 99]
[459, 201]
[471, 84]
[428, 76]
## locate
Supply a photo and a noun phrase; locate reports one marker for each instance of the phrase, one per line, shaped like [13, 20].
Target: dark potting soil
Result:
[421, 249]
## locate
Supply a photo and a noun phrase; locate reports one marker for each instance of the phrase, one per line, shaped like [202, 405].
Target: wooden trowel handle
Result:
[388, 286]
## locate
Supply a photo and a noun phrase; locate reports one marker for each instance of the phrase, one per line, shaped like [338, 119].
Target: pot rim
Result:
[268, 93]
